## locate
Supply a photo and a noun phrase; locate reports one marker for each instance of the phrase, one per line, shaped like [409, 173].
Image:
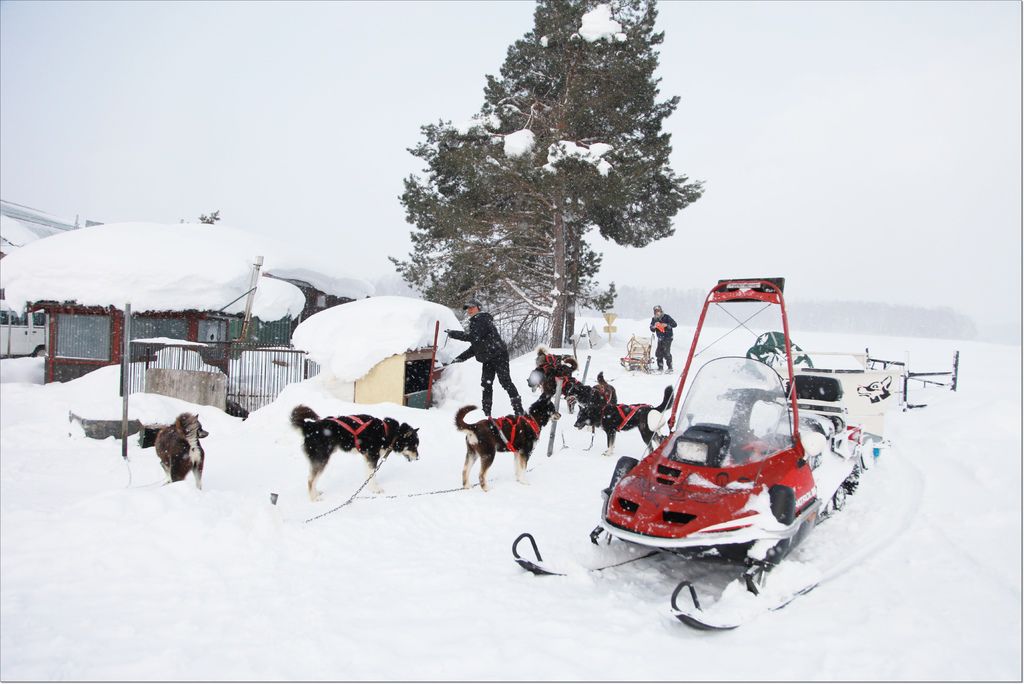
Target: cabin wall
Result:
[384, 382]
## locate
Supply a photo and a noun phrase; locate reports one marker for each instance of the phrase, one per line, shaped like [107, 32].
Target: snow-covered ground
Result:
[106, 575]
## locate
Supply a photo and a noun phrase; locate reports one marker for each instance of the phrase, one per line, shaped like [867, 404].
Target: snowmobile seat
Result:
[821, 395]
[818, 388]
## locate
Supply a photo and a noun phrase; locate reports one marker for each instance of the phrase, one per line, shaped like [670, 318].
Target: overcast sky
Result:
[867, 151]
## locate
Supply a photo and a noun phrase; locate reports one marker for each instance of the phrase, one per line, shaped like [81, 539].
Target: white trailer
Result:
[22, 335]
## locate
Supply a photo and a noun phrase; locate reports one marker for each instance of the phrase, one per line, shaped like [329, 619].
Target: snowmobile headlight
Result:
[693, 452]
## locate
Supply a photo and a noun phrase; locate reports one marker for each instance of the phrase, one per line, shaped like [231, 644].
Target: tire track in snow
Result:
[892, 523]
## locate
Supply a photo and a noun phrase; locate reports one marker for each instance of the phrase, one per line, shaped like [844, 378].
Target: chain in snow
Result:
[355, 495]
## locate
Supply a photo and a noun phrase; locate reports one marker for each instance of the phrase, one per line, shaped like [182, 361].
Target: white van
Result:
[22, 335]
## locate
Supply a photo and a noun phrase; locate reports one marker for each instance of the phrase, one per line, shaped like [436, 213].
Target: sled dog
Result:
[179, 449]
[517, 434]
[549, 368]
[614, 418]
[368, 435]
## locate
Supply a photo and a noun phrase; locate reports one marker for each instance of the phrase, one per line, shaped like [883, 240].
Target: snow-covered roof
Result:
[155, 267]
[15, 234]
[352, 288]
[20, 225]
[351, 339]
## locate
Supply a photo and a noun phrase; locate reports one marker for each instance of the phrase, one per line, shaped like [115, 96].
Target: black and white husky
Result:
[179, 449]
[614, 418]
[368, 435]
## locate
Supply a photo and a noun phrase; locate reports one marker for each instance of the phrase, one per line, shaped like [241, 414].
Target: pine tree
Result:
[210, 218]
[569, 139]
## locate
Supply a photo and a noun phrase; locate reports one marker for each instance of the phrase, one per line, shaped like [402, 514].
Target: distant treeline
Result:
[895, 320]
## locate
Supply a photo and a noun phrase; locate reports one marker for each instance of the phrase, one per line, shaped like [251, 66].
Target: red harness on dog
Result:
[361, 425]
[550, 362]
[632, 412]
[498, 422]
[568, 383]
[550, 366]
[605, 394]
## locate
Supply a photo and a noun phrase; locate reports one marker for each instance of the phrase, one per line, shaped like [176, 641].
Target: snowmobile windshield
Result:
[735, 413]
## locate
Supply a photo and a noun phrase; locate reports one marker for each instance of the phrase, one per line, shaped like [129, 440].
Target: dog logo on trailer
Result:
[876, 391]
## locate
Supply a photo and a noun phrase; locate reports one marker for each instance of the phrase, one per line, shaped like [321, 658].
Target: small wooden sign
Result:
[610, 328]
[610, 317]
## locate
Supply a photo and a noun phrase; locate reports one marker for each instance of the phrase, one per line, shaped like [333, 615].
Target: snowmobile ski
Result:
[716, 618]
[538, 567]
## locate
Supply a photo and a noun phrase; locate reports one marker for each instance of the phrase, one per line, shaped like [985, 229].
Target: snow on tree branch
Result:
[597, 24]
[547, 310]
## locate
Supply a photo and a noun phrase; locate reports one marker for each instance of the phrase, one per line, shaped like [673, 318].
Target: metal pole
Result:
[554, 423]
[252, 295]
[125, 372]
[430, 373]
[586, 368]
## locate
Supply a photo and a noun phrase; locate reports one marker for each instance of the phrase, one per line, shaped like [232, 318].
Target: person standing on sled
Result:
[487, 346]
[661, 325]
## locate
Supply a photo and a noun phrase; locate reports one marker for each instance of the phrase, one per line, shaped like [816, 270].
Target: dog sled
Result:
[638, 355]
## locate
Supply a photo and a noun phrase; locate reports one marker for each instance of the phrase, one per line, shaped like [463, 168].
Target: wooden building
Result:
[403, 379]
[84, 338]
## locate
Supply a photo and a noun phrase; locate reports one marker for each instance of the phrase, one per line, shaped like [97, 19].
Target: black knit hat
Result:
[472, 303]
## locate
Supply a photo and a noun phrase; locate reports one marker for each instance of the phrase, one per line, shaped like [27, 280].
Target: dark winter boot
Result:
[517, 406]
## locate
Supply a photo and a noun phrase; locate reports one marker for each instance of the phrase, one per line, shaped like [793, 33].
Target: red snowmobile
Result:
[737, 478]
[734, 470]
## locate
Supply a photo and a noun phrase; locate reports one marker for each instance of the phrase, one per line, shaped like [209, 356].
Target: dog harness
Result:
[550, 362]
[605, 394]
[569, 385]
[550, 366]
[360, 426]
[502, 420]
[633, 408]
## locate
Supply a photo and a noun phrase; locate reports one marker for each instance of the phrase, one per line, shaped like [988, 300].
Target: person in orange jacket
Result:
[661, 325]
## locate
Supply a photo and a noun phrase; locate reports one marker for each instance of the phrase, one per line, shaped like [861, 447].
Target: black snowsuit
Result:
[664, 351]
[487, 346]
